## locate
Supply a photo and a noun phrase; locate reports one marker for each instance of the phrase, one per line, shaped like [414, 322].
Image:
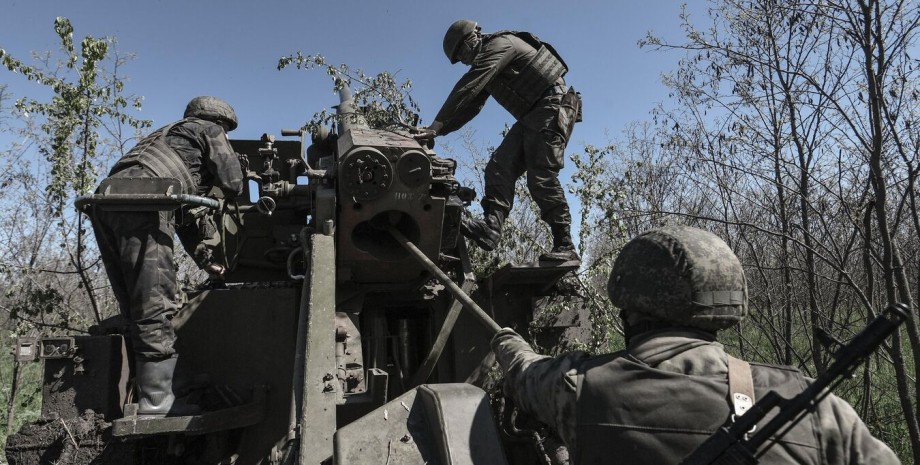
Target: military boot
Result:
[155, 397]
[486, 232]
[563, 248]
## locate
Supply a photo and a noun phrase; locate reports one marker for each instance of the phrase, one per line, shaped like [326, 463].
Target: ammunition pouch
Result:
[207, 230]
[192, 215]
[142, 186]
[572, 99]
[156, 155]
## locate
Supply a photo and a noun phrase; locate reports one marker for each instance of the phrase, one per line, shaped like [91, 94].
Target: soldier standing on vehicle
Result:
[137, 246]
[668, 391]
[525, 76]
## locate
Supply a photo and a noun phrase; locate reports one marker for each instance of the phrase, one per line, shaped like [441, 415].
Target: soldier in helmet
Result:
[655, 401]
[137, 246]
[525, 76]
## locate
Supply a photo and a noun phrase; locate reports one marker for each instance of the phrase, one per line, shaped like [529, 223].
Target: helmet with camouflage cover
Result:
[454, 37]
[679, 275]
[212, 109]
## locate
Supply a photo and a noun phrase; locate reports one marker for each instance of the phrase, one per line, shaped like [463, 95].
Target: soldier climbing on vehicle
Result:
[136, 243]
[525, 76]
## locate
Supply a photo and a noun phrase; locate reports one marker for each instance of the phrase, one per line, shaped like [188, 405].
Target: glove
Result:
[428, 132]
[215, 270]
[424, 133]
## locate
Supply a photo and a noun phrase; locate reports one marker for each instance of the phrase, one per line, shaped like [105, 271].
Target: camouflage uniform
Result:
[536, 142]
[668, 391]
[137, 246]
[655, 401]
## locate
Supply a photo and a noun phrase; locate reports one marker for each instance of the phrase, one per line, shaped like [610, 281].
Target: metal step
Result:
[208, 422]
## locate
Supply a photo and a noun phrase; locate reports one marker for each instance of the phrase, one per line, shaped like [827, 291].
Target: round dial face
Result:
[266, 205]
[366, 175]
[414, 169]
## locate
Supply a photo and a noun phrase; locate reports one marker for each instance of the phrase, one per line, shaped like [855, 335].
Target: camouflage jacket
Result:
[501, 57]
[211, 162]
[549, 388]
[207, 154]
[194, 149]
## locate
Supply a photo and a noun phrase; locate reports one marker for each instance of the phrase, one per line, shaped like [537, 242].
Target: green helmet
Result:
[212, 109]
[454, 37]
[680, 275]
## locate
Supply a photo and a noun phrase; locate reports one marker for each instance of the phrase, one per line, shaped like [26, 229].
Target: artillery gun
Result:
[337, 337]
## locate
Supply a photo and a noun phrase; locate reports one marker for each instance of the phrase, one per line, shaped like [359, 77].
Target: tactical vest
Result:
[153, 153]
[519, 95]
[628, 412]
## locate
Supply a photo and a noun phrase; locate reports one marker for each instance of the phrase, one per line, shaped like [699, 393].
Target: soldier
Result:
[525, 76]
[137, 246]
[657, 400]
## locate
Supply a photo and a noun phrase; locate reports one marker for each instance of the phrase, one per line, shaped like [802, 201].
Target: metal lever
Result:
[458, 293]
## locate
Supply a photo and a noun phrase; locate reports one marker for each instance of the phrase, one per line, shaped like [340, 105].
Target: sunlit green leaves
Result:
[82, 104]
[383, 100]
[51, 272]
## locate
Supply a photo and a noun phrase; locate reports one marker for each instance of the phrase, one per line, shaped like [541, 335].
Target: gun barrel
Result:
[349, 115]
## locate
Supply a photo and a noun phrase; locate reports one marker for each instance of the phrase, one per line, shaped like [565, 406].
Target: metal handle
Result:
[458, 293]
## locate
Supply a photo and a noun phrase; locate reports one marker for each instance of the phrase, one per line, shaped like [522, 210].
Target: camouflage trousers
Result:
[137, 251]
[535, 145]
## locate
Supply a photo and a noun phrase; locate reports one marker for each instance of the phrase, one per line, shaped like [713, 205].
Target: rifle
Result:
[735, 444]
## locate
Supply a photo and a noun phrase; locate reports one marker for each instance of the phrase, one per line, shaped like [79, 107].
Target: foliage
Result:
[75, 131]
[28, 397]
[794, 137]
[55, 281]
[384, 101]
[525, 237]
[76, 112]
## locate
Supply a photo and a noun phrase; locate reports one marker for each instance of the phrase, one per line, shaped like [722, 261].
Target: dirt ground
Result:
[74, 441]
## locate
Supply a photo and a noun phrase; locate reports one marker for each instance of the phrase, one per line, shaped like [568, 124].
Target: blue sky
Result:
[230, 49]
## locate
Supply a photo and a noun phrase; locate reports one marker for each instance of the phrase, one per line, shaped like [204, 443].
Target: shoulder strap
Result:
[740, 385]
[534, 42]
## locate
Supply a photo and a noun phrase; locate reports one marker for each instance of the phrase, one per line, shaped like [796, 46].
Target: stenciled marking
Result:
[406, 196]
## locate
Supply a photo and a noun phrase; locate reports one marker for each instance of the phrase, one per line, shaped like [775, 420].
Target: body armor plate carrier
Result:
[156, 155]
[519, 95]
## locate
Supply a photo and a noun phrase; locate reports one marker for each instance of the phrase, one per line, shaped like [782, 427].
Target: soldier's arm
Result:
[541, 386]
[469, 94]
[192, 236]
[222, 161]
[848, 440]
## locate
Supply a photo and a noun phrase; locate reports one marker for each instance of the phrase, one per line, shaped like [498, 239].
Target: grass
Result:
[28, 396]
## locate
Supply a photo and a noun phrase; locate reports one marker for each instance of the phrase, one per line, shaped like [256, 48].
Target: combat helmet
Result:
[454, 37]
[681, 276]
[212, 109]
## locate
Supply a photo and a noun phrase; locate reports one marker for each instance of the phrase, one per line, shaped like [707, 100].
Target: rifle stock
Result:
[735, 444]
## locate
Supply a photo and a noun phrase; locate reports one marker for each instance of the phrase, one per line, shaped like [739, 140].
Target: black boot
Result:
[154, 381]
[487, 232]
[563, 248]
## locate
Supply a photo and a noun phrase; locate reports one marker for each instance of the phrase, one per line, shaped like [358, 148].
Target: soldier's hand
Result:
[215, 270]
[424, 133]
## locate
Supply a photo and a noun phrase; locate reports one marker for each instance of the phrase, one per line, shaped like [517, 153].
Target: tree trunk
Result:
[895, 279]
[11, 402]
